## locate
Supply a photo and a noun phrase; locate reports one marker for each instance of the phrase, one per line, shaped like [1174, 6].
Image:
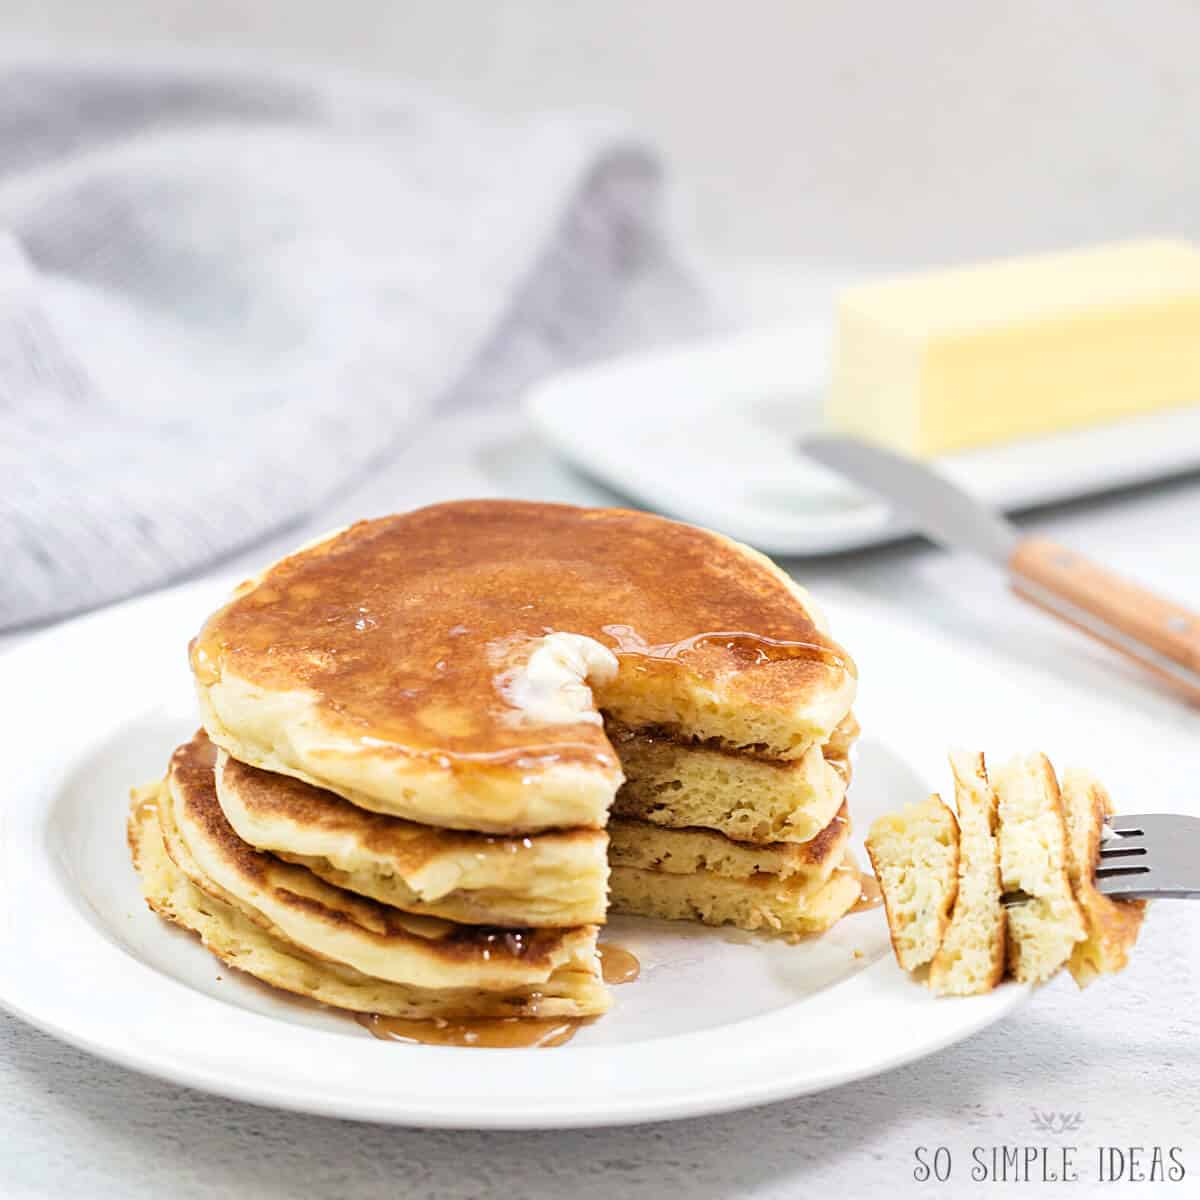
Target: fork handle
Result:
[1159, 635]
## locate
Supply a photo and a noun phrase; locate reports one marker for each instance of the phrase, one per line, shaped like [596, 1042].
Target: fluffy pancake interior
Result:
[1033, 859]
[748, 797]
[242, 943]
[331, 923]
[796, 906]
[548, 879]
[972, 954]
[686, 851]
[915, 855]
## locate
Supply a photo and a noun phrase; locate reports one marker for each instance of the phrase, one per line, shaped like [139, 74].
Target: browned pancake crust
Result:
[405, 843]
[246, 946]
[1112, 925]
[191, 776]
[829, 843]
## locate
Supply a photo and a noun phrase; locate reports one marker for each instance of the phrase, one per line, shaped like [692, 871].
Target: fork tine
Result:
[1111, 850]
[1126, 826]
[1122, 872]
[1148, 824]
[1153, 854]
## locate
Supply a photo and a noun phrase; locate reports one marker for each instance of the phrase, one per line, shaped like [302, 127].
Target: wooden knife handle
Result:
[1161, 636]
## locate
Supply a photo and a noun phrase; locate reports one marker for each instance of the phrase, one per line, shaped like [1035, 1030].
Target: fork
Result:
[1153, 856]
[1146, 856]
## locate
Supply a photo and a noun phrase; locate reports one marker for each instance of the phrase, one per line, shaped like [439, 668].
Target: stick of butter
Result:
[952, 359]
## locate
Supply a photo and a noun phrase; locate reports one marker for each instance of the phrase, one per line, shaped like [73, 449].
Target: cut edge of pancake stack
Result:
[699, 832]
[310, 852]
[944, 876]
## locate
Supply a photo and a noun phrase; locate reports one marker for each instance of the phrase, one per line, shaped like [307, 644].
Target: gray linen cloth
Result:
[225, 293]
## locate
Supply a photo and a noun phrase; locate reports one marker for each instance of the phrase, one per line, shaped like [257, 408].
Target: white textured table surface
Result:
[1125, 1054]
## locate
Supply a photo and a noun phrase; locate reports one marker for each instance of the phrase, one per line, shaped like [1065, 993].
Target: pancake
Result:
[449, 665]
[971, 957]
[796, 906]
[1111, 926]
[687, 851]
[914, 852]
[1042, 930]
[330, 923]
[570, 991]
[554, 879]
[746, 797]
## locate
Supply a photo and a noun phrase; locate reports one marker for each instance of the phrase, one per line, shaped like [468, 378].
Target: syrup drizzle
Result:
[617, 964]
[512, 1033]
[756, 648]
[871, 896]
[484, 1032]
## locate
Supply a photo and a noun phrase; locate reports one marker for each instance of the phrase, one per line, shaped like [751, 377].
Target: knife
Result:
[1158, 634]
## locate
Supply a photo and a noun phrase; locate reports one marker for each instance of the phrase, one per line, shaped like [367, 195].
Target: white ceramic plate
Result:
[717, 1021]
[707, 434]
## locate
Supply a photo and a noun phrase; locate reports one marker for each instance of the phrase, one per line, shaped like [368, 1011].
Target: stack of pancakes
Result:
[415, 731]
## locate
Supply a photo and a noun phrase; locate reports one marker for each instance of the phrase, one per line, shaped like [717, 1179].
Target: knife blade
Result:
[939, 508]
[1160, 635]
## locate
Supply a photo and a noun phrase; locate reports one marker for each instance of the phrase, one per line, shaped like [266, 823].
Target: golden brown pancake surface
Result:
[396, 625]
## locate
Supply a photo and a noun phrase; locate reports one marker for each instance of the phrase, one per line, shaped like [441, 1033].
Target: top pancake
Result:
[408, 663]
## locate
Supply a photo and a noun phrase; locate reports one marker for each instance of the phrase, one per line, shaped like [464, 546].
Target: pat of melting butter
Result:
[552, 685]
